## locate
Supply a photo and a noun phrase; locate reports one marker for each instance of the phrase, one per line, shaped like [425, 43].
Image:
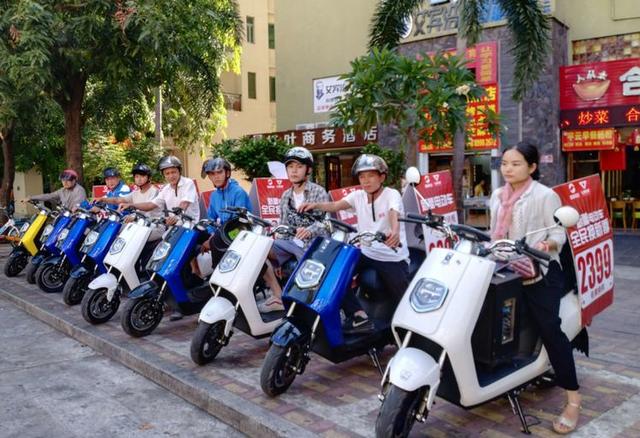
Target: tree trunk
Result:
[412, 148]
[72, 108]
[9, 174]
[457, 163]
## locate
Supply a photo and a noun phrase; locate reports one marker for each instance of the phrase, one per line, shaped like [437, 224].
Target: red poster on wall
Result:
[344, 215]
[265, 196]
[591, 243]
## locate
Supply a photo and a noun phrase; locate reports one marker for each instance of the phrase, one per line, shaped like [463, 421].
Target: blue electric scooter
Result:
[94, 249]
[49, 240]
[54, 271]
[313, 296]
[171, 279]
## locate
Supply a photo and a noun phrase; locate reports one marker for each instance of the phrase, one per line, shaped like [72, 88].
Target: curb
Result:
[248, 418]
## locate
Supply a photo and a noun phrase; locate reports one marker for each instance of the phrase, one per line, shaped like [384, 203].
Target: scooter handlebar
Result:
[532, 252]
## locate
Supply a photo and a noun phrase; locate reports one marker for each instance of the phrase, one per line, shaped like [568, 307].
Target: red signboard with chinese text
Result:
[628, 115]
[483, 57]
[265, 196]
[325, 138]
[589, 140]
[344, 215]
[591, 243]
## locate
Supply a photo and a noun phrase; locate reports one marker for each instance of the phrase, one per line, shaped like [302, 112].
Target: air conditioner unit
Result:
[301, 126]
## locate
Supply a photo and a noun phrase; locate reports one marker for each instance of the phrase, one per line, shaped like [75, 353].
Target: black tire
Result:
[398, 412]
[141, 316]
[50, 278]
[96, 309]
[74, 289]
[30, 273]
[15, 263]
[207, 342]
[277, 372]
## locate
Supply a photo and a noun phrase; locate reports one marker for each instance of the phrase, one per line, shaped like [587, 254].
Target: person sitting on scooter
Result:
[178, 192]
[520, 206]
[299, 165]
[69, 196]
[377, 209]
[115, 186]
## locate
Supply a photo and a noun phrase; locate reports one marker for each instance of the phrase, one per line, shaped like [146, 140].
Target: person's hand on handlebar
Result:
[307, 206]
[393, 239]
[171, 220]
[123, 206]
[544, 246]
[303, 233]
[206, 246]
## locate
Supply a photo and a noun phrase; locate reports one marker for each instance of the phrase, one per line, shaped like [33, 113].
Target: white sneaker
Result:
[271, 304]
[264, 296]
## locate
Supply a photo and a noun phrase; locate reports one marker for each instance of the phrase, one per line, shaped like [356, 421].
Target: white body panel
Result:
[135, 235]
[219, 309]
[451, 326]
[204, 264]
[410, 369]
[105, 281]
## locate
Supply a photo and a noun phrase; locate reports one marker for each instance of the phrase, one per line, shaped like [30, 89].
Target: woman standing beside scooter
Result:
[520, 206]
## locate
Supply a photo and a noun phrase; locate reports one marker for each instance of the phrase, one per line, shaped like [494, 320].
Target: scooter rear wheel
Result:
[30, 273]
[278, 370]
[15, 263]
[49, 278]
[96, 308]
[207, 342]
[141, 316]
[398, 412]
[74, 289]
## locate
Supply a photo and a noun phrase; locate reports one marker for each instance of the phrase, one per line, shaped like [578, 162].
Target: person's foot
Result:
[176, 316]
[264, 295]
[271, 304]
[357, 323]
[568, 420]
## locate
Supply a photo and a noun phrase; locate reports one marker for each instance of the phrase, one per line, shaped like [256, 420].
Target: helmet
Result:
[68, 175]
[369, 162]
[141, 169]
[110, 171]
[168, 162]
[299, 154]
[213, 164]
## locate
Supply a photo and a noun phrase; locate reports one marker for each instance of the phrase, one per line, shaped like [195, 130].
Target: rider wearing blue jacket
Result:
[227, 193]
[116, 188]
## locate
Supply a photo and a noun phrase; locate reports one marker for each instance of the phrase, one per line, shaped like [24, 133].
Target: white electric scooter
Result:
[234, 283]
[462, 332]
[124, 270]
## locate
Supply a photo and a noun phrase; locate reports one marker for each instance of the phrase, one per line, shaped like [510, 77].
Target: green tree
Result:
[251, 154]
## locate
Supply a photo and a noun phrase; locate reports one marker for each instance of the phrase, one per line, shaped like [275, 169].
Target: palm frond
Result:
[470, 13]
[388, 22]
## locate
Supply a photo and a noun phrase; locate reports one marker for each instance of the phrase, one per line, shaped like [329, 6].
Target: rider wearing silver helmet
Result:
[377, 209]
[227, 193]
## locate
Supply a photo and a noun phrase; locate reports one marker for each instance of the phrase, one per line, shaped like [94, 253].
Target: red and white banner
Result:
[434, 192]
[591, 243]
[265, 196]
[344, 215]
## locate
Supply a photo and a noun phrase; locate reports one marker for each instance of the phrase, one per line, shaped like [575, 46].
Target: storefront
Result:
[600, 123]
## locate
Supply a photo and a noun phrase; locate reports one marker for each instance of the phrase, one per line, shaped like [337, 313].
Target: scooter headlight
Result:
[91, 238]
[229, 261]
[117, 245]
[161, 251]
[309, 274]
[428, 295]
[63, 234]
[47, 231]
[24, 227]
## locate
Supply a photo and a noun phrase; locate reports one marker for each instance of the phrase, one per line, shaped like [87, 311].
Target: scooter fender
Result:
[79, 271]
[287, 334]
[52, 260]
[148, 289]
[105, 281]
[219, 309]
[38, 259]
[411, 369]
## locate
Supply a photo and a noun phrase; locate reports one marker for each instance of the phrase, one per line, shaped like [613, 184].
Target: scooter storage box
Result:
[496, 335]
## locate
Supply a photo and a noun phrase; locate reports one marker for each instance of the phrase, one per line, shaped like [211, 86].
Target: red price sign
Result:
[591, 243]
[265, 196]
[435, 193]
[344, 215]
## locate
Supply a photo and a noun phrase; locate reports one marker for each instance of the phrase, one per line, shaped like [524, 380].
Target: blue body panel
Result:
[79, 271]
[71, 245]
[60, 223]
[100, 249]
[179, 255]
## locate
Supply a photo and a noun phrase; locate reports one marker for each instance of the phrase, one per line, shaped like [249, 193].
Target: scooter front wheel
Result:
[207, 342]
[141, 316]
[74, 289]
[50, 278]
[398, 412]
[279, 369]
[96, 308]
[15, 263]
[30, 273]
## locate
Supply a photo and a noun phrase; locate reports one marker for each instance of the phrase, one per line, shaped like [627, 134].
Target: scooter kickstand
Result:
[512, 396]
[373, 354]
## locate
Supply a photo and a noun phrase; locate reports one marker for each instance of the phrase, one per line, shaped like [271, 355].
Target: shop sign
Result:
[327, 92]
[589, 140]
[591, 242]
[628, 115]
[433, 193]
[347, 216]
[265, 197]
[325, 138]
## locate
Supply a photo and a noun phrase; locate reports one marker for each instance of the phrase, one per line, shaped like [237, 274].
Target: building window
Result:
[272, 89]
[251, 36]
[272, 36]
[252, 85]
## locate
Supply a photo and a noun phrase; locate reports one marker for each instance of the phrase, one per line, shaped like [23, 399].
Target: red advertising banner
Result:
[265, 196]
[600, 84]
[589, 140]
[591, 243]
[344, 215]
[483, 58]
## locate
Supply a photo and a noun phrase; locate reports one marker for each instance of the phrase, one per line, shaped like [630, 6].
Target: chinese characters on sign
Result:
[326, 138]
[265, 196]
[589, 140]
[326, 93]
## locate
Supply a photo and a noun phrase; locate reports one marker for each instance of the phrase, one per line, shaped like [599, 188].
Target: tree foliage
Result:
[251, 154]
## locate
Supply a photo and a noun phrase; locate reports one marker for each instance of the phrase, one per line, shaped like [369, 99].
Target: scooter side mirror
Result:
[412, 175]
[566, 216]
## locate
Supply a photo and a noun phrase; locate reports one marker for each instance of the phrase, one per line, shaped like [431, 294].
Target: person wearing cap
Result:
[227, 193]
[299, 165]
[69, 196]
[116, 188]
[377, 209]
